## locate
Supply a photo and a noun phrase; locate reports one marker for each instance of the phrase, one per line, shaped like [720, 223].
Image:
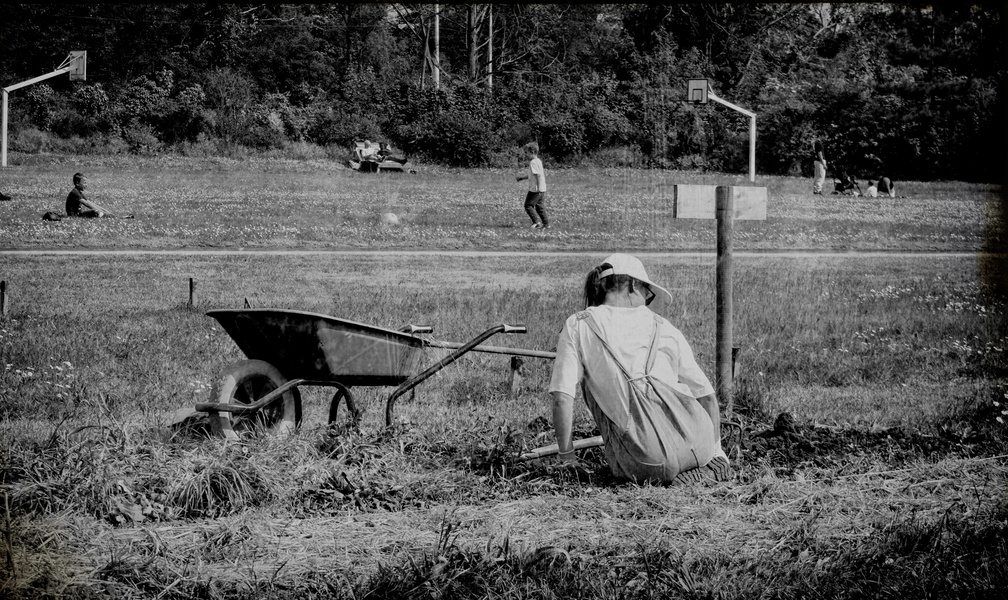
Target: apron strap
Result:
[593, 325]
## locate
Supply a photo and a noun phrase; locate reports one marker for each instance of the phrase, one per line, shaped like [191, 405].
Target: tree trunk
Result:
[476, 15]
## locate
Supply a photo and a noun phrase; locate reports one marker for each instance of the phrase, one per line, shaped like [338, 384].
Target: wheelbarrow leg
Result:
[343, 392]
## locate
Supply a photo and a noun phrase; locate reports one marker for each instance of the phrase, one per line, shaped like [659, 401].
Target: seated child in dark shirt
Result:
[77, 204]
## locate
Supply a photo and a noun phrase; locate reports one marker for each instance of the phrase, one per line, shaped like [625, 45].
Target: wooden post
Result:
[517, 372]
[192, 293]
[725, 210]
[726, 204]
[3, 298]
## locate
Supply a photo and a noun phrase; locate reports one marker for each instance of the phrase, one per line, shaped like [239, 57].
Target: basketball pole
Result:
[752, 130]
[74, 63]
[698, 91]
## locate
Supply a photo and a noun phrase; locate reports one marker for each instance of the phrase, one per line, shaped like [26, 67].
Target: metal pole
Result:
[4, 151]
[752, 148]
[724, 383]
[493, 349]
[752, 129]
[17, 86]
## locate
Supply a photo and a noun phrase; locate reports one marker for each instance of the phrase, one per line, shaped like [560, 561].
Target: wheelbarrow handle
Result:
[519, 328]
[411, 328]
[414, 381]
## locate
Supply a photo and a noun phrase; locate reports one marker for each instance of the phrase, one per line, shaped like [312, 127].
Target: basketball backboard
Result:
[78, 65]
[696, 92]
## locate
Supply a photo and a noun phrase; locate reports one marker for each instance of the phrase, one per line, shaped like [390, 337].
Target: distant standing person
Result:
[819, 163]
[77, 205]
[886, 186]
[535, 199]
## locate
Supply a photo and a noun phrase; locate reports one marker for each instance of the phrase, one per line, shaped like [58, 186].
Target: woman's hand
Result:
[567, 466]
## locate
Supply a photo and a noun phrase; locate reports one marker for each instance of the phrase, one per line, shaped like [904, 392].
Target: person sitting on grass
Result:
[846, 184]
[656, 410]
[886, 186]
[369, 152]
[77, 205]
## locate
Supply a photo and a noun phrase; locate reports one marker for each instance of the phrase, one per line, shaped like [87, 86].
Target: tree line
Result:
[909, 90]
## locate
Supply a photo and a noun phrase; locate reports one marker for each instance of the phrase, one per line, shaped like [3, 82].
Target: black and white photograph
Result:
[520, 301]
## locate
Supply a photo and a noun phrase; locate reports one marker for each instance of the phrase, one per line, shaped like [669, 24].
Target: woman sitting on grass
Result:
[656, 409]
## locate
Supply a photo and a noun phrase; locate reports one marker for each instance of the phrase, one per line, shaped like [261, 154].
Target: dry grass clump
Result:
[211, 487]
[75, 470]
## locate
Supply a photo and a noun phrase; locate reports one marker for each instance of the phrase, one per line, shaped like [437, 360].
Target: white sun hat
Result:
[624, 264]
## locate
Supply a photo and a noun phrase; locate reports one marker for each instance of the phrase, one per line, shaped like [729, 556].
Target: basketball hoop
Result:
[696, 91]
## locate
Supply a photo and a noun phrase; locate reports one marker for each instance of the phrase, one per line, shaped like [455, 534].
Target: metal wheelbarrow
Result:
[287, 349]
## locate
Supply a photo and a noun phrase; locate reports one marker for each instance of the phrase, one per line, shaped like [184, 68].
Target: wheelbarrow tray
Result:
[311, 346]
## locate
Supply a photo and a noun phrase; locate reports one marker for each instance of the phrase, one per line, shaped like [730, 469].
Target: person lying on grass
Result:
[656, 410]
[385, 153]
[77, 205]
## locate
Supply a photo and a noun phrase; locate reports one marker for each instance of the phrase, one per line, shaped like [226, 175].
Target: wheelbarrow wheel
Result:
[244, 382]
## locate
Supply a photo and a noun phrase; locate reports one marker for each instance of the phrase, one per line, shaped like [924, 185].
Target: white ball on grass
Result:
[389, 218]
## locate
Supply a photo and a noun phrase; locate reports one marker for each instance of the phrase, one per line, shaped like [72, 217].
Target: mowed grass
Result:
[900, 492]
[260, 203]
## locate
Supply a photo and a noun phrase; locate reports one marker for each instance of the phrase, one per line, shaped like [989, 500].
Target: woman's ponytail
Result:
[594, 290]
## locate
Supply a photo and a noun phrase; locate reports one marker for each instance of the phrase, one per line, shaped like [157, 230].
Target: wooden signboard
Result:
[699, 202]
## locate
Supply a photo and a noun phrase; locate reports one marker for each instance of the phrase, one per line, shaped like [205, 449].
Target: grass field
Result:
[296, 204]
[891, 484]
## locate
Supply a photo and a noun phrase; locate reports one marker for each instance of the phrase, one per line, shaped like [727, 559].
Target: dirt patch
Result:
[784, 446]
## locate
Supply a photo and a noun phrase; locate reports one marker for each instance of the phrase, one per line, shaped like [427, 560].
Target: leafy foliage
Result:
[908, 91]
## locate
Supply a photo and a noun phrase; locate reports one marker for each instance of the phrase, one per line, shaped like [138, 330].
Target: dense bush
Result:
[917, 98]
[448, 125]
